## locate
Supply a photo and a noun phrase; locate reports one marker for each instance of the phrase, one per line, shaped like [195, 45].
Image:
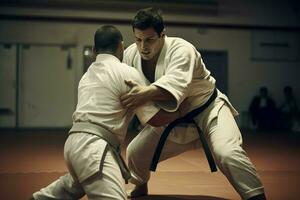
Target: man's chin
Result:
[146, 57]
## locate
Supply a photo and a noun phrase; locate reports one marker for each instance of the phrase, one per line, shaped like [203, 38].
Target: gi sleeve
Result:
[146, 111]
[177, 77]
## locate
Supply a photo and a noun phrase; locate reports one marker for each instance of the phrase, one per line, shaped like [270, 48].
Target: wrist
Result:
[157, 93]
[151, 92]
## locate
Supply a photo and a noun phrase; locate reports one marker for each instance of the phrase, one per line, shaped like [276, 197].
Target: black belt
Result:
[189, 118]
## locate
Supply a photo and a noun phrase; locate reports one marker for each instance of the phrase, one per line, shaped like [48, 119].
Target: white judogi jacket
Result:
[99, 93]
[181, 71]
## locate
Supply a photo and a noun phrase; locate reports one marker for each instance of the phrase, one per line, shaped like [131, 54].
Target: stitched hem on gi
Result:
[253, 192]
[135, 179]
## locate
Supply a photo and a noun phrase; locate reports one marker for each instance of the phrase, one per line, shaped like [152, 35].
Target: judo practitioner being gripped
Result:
[92, 149]
[174, 71]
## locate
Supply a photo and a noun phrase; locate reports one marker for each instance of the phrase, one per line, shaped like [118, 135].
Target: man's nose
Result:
[143, 45]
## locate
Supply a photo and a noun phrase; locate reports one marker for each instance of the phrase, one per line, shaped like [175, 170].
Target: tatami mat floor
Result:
[32, 159]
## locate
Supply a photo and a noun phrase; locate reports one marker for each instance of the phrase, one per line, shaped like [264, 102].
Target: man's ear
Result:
[120, 51]
[94, 50]
[163, 33]
[123, 46]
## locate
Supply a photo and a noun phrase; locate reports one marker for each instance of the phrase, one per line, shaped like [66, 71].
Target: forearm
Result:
[163, 117]
[156, 93]
[139, 95]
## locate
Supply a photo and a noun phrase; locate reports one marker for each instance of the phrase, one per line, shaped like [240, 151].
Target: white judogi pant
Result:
[82, 154]
[225, 141]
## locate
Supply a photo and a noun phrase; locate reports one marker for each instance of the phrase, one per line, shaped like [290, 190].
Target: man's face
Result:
[149, 43]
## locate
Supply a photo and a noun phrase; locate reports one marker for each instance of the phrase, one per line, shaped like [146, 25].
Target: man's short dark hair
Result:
[107, 39]
[148, 17]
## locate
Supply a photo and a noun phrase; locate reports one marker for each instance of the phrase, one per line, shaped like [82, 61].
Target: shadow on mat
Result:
[178, 197]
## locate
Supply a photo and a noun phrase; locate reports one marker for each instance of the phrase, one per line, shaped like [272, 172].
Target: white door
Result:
[47, 81]
[8, 54]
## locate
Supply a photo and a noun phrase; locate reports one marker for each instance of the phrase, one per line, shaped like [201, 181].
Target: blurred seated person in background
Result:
[288, 109]
[263, 111]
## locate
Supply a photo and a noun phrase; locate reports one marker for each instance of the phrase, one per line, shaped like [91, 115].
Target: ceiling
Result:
[201, 7]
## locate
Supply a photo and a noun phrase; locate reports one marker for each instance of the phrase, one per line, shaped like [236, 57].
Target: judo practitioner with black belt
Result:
[92, 150]
[175, 71]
